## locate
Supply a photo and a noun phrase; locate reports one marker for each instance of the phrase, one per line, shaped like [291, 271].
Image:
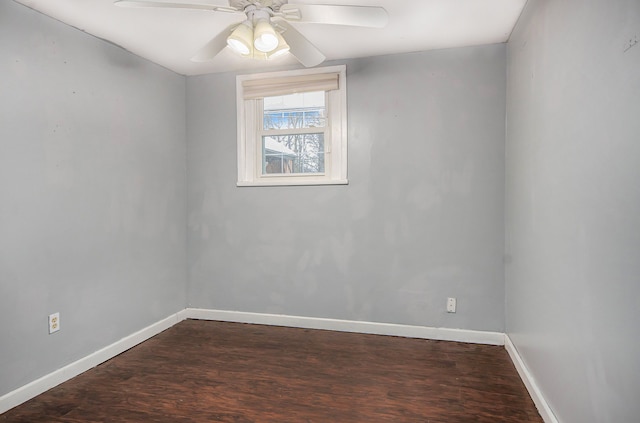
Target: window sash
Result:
[259, 133]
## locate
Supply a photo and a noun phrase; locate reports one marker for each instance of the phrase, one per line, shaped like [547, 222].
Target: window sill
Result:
[274, 183]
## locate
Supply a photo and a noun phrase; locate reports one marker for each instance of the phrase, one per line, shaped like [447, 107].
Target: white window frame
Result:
[249, 115]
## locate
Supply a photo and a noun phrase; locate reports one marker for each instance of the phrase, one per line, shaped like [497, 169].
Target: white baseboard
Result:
[35, 388]
[424, 332]
[530, 383]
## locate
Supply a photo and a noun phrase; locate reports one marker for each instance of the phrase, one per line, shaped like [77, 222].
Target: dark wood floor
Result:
[201, 371]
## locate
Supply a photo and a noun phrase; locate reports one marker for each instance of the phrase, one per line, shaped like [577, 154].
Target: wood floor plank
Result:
[203, 371]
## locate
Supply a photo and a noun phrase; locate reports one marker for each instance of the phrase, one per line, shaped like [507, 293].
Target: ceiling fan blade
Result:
[300, 47]
[213, 47]
[173, 5]
[367, 16]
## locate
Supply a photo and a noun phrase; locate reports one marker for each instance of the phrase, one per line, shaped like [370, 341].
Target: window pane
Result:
[295, 153]
[304, 110]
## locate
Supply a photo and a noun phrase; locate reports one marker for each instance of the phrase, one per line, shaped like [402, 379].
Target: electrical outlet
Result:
[451, 305]
[54, 322]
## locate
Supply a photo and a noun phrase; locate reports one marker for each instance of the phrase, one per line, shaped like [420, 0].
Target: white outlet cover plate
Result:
[54, 322]
[451, 305]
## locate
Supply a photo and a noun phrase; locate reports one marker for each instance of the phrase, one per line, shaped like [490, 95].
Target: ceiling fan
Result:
[265, 31]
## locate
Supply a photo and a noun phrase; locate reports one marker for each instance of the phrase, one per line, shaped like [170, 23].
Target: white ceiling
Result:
[170, 37]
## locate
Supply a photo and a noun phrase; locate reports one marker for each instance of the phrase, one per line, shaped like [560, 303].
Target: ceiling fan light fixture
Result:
[281, 49]
[241, 38]
[264, 36]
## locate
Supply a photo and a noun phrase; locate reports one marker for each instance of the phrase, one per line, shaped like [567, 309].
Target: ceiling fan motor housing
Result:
[258, 4]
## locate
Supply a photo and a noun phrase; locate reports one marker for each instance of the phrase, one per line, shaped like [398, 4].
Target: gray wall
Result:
[93, 188]
[92, 194]
[421, 220]
[573, 205]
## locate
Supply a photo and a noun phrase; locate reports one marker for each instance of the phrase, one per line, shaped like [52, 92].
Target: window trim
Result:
[248, 134]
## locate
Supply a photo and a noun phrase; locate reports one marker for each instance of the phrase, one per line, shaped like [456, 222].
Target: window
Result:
[292, 127]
